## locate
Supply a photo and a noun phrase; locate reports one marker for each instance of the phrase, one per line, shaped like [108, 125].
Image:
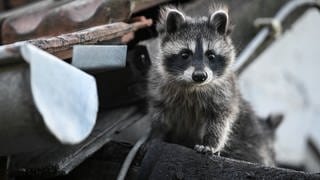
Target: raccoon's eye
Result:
[211, 56]
[185, 54]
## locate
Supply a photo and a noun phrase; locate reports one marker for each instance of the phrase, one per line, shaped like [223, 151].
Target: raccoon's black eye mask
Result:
[211, 55]
[185, 53]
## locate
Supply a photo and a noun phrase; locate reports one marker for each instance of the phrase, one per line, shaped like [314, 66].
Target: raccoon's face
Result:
[196, 51]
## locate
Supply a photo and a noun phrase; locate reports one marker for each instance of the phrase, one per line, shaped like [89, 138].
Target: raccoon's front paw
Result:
[206, 150]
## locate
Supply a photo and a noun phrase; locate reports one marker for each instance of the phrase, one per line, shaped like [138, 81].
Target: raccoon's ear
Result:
[274, 120]
[174, 20]
[220, 20]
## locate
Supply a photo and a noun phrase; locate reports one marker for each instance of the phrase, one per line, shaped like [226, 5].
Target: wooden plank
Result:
[61, 46]
[170, 161]
[62, 159]
[69, 17]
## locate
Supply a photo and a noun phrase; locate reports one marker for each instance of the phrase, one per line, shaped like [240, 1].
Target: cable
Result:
[130, 157]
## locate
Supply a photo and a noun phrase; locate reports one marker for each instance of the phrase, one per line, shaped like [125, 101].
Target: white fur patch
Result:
[228, 126]
[161, 70]
[265, 156]
[225, 135]
[192, 46]
[187, 74]
[205, 45]
[210, 75]
[174, 47]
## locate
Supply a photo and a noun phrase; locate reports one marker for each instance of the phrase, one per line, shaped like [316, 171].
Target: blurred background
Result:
[278, 62]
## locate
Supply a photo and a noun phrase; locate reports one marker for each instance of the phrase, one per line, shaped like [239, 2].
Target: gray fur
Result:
[209, 116]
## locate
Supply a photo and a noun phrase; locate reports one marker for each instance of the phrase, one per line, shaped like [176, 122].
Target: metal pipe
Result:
[243, 59]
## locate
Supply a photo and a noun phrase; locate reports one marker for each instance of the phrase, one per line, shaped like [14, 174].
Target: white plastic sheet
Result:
[65, 96]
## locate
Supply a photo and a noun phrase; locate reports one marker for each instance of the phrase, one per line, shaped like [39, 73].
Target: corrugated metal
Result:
[70, 17]
[52, 18]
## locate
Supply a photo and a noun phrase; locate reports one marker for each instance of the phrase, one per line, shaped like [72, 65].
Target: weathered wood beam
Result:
[170, 161]
[61, 46]
[58, 45]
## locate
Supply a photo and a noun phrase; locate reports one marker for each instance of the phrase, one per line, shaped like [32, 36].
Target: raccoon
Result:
[194, 97]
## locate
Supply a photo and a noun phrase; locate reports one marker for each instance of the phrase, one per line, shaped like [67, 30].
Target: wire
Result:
[131, 156]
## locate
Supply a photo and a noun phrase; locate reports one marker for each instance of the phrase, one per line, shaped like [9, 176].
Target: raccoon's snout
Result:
[199, 76]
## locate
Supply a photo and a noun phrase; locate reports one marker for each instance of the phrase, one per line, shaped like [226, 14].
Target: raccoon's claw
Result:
[206, 150]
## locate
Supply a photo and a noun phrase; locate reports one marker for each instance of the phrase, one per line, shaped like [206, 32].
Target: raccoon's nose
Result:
[199, 76]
